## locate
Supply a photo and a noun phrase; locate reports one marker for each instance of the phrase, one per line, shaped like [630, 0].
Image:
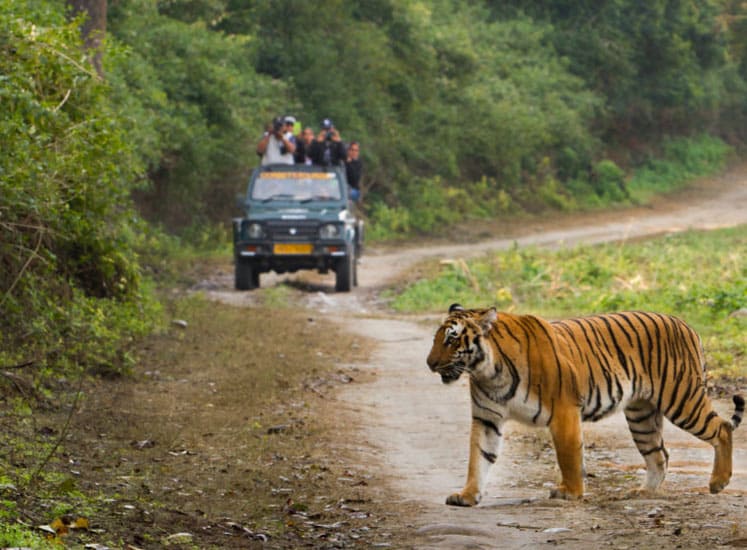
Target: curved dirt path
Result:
[419, 428]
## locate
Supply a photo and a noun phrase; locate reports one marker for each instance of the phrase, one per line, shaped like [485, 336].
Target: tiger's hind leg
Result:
[705, 424]
[696, 415]
[646, 424]
[722, 449]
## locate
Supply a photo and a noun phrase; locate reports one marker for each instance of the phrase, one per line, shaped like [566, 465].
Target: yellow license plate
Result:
[292, 248]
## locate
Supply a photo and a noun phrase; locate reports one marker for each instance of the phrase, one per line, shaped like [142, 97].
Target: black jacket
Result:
[336, 150]
[353, 170]
[300, 155]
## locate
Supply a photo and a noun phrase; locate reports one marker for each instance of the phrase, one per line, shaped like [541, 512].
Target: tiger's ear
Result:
[455, 307]
[487, 318]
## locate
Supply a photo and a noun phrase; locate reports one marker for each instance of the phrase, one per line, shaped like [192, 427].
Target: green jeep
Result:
[297, 217]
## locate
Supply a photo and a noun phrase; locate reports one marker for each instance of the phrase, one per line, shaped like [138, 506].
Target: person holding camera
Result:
[276, 145]
[328, 149]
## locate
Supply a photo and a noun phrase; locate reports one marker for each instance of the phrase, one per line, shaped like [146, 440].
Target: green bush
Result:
[682, 160]
[388, 222]
[70, 281]
[431, 207]
[554, 195]
[608, 181]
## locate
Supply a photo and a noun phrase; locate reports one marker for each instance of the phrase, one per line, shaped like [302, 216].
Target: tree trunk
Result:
[94, 27]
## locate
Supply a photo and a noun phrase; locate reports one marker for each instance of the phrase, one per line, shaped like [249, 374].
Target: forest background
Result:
[132, 149]
[128, 127]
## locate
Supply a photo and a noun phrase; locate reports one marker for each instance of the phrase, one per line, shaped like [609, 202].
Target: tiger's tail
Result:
[736, 418]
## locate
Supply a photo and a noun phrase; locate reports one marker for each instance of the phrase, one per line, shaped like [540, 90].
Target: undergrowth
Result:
[432, 205]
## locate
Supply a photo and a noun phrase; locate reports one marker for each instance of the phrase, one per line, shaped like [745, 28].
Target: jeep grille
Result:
[296, 230]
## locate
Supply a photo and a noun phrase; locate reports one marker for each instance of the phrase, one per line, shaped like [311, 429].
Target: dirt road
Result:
[419, 427]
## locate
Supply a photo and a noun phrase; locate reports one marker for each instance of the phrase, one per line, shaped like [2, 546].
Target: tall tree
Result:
[94, 26]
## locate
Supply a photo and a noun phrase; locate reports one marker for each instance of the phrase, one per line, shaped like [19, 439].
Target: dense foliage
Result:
[70, 288]
[535, 104]
[194, 103]
[662, 66]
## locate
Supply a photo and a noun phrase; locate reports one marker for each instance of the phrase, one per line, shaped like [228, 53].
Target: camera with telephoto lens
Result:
[277, 125]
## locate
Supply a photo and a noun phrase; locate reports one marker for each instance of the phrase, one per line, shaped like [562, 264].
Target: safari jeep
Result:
[297, 217]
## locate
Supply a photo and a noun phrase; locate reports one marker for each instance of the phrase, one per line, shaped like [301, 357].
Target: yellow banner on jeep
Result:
[297, 175]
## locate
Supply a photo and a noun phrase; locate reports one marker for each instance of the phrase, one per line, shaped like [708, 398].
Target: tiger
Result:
[561, 373]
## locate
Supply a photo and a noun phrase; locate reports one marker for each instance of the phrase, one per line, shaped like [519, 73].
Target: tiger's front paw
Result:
[564, 493]
[463, 499]
[717, 485]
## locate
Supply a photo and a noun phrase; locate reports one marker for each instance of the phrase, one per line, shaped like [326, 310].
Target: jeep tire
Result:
[247, 277]
[345, 272]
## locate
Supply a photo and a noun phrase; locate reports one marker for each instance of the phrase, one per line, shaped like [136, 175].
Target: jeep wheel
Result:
[345, 272]
[247, 277]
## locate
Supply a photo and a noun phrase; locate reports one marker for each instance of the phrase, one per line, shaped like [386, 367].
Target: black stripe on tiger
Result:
[488, 425]
[736, 418]
[490, 457]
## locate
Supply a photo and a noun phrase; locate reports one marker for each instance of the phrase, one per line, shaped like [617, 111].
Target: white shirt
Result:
[272, 153]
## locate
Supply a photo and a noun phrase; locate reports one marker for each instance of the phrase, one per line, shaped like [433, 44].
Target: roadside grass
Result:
[19, 536]
[698, 276]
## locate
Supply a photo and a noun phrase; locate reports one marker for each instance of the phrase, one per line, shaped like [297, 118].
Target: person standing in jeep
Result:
[276, 145]
[328, 149]
[353, 169]
[304, 141]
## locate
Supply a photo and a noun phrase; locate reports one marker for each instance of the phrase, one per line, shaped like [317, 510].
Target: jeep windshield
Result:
[296, 186]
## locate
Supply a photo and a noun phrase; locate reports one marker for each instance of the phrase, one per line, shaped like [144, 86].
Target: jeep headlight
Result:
[329, 231]
[255, 231]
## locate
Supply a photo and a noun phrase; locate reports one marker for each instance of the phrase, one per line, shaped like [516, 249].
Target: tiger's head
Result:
[459, 344]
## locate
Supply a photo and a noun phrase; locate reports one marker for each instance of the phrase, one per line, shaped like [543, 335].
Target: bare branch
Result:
[63, 433]
[22, 385]
[34, 254]
[23, 365]
[64, 100]
[10, 226]
[71, 60]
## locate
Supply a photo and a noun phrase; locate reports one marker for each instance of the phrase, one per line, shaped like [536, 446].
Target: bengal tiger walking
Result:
[558, 374]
